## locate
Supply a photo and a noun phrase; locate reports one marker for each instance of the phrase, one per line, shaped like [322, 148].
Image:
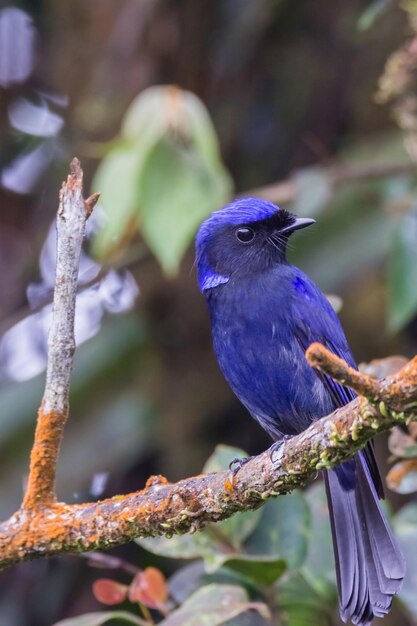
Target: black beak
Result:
[297, 224]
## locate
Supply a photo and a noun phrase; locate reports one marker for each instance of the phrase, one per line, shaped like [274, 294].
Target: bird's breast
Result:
[260, 357]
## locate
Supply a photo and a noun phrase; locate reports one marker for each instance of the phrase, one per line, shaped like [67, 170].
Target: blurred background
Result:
[174, 107]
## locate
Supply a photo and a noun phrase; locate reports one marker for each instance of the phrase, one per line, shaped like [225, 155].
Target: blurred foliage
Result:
[375, 9]
[403, 271]
[178, 146]
[272, 90]
[283, 557]
[164, 175]
[402, 443]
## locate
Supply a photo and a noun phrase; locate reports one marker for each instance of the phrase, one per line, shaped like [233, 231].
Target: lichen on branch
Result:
[44, 527]
[73, 213]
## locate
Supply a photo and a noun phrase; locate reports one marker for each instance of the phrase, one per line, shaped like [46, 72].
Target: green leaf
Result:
[213, 605]
[201, 128]
[319, 565]
[372, 13]
[402, 273]
[186, 580]
[149, 114]
[192, 576]
[117, 180]
[166, 173]
[163, 110]
[405, 527]
[283, 529]
[261, 571]
[238, 527]
[177, 191]
[101, 617]
[301, 605]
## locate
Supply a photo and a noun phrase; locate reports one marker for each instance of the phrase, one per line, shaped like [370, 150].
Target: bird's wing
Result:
[315, 320]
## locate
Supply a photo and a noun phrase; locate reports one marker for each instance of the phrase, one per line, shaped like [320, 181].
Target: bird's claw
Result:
[234, 466]
[239, 463]
[275, 450]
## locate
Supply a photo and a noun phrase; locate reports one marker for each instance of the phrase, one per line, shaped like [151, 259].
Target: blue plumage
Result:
[264, 314]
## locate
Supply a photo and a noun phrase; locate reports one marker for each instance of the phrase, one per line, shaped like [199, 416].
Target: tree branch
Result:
[45, 527]
[336, 175]
[73, 213]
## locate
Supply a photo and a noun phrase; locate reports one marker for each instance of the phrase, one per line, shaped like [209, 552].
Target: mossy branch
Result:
[45, 527]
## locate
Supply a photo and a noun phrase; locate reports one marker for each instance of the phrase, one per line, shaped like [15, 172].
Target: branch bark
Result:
[72, 216]
[44, 527]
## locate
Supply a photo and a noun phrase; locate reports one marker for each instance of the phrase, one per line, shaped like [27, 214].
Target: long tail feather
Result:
[369, 564]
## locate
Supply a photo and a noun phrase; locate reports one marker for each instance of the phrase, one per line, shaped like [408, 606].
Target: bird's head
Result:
[247, 236]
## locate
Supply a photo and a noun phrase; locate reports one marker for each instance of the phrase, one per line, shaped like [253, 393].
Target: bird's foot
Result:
[234, 467]
[239, 463]
[275, 451]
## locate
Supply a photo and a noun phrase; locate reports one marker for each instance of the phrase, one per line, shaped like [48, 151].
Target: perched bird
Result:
[264, 314]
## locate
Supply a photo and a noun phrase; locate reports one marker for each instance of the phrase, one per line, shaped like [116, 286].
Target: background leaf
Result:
[109, 591]
[212, 605]
[149, 588]
[260, 570]
[101, 617]
[283, 530]
[163, 177]
[117, 180]
[372, 13]
[319, 567]
[172, 211]
[405, 527]
[402, 272]
[301, 605]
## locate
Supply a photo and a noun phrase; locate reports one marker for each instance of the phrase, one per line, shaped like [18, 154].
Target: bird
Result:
[265, 312]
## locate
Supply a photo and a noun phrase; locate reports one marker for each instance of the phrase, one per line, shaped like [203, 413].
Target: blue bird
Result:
[264, 314]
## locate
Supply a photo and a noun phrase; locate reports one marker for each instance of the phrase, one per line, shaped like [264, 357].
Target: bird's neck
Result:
[251, 287]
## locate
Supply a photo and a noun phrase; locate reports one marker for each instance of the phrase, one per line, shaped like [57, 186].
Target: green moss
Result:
[383, 409]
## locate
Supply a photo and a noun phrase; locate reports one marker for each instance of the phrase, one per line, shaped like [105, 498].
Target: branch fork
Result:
[45, 527]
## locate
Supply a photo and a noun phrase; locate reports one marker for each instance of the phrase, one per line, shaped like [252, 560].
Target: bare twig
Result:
[103, 560]
[44, 527]
[322, 359]
[73, 213]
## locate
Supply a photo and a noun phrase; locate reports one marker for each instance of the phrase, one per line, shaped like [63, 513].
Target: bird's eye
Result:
[245, 234]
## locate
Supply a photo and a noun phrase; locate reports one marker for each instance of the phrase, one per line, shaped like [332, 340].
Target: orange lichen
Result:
[156, 480]
[45, 527]
[329, 363]
[40, 491]
[229, 483]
